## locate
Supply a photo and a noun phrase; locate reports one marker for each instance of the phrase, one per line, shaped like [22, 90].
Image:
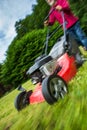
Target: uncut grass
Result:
[69, 113]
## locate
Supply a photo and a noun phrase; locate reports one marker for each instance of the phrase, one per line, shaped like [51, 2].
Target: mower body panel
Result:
[68, 65]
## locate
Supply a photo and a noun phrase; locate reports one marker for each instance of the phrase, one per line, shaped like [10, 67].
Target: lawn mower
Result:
[51, 72]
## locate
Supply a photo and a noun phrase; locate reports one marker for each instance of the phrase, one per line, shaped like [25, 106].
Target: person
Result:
[73, 24]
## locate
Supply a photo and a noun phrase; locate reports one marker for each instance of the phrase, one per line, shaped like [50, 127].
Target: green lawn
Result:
[69, 113]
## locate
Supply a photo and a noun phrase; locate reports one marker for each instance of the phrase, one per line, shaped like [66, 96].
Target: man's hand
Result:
[58, 7]
[46, 23]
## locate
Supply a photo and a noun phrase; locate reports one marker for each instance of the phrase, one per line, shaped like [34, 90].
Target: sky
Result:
[10, 12]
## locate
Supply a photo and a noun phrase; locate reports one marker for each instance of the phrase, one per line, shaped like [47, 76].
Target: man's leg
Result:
[73, 34]
[80, 34]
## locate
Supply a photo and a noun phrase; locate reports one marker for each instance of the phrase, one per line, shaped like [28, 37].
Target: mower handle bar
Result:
[49, 14]
[49, 36]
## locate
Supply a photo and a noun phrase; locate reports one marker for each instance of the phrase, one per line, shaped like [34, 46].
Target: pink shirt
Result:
[56, 15]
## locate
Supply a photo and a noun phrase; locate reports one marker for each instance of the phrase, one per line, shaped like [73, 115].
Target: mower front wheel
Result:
[53, 88]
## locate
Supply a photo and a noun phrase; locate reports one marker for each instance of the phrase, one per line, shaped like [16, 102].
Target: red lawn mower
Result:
[52, 72]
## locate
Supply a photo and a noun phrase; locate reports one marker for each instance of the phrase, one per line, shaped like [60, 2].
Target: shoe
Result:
[83, 51]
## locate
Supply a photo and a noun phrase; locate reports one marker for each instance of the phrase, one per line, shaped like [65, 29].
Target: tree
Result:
[33, 21]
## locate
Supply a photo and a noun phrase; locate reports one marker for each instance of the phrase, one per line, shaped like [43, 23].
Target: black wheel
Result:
[22, 100]
[53, 88]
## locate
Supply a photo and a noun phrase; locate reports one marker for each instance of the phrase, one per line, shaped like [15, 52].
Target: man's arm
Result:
[51, 20]
[63, 5]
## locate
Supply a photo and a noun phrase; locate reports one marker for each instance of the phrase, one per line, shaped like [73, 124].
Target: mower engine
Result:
[49, 68]
[44, 71]
[43, 67]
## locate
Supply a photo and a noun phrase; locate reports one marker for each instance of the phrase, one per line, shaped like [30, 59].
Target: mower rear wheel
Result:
[22, 100]
[53, 88]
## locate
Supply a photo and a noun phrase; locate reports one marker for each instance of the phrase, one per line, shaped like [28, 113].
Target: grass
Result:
[69, 113]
